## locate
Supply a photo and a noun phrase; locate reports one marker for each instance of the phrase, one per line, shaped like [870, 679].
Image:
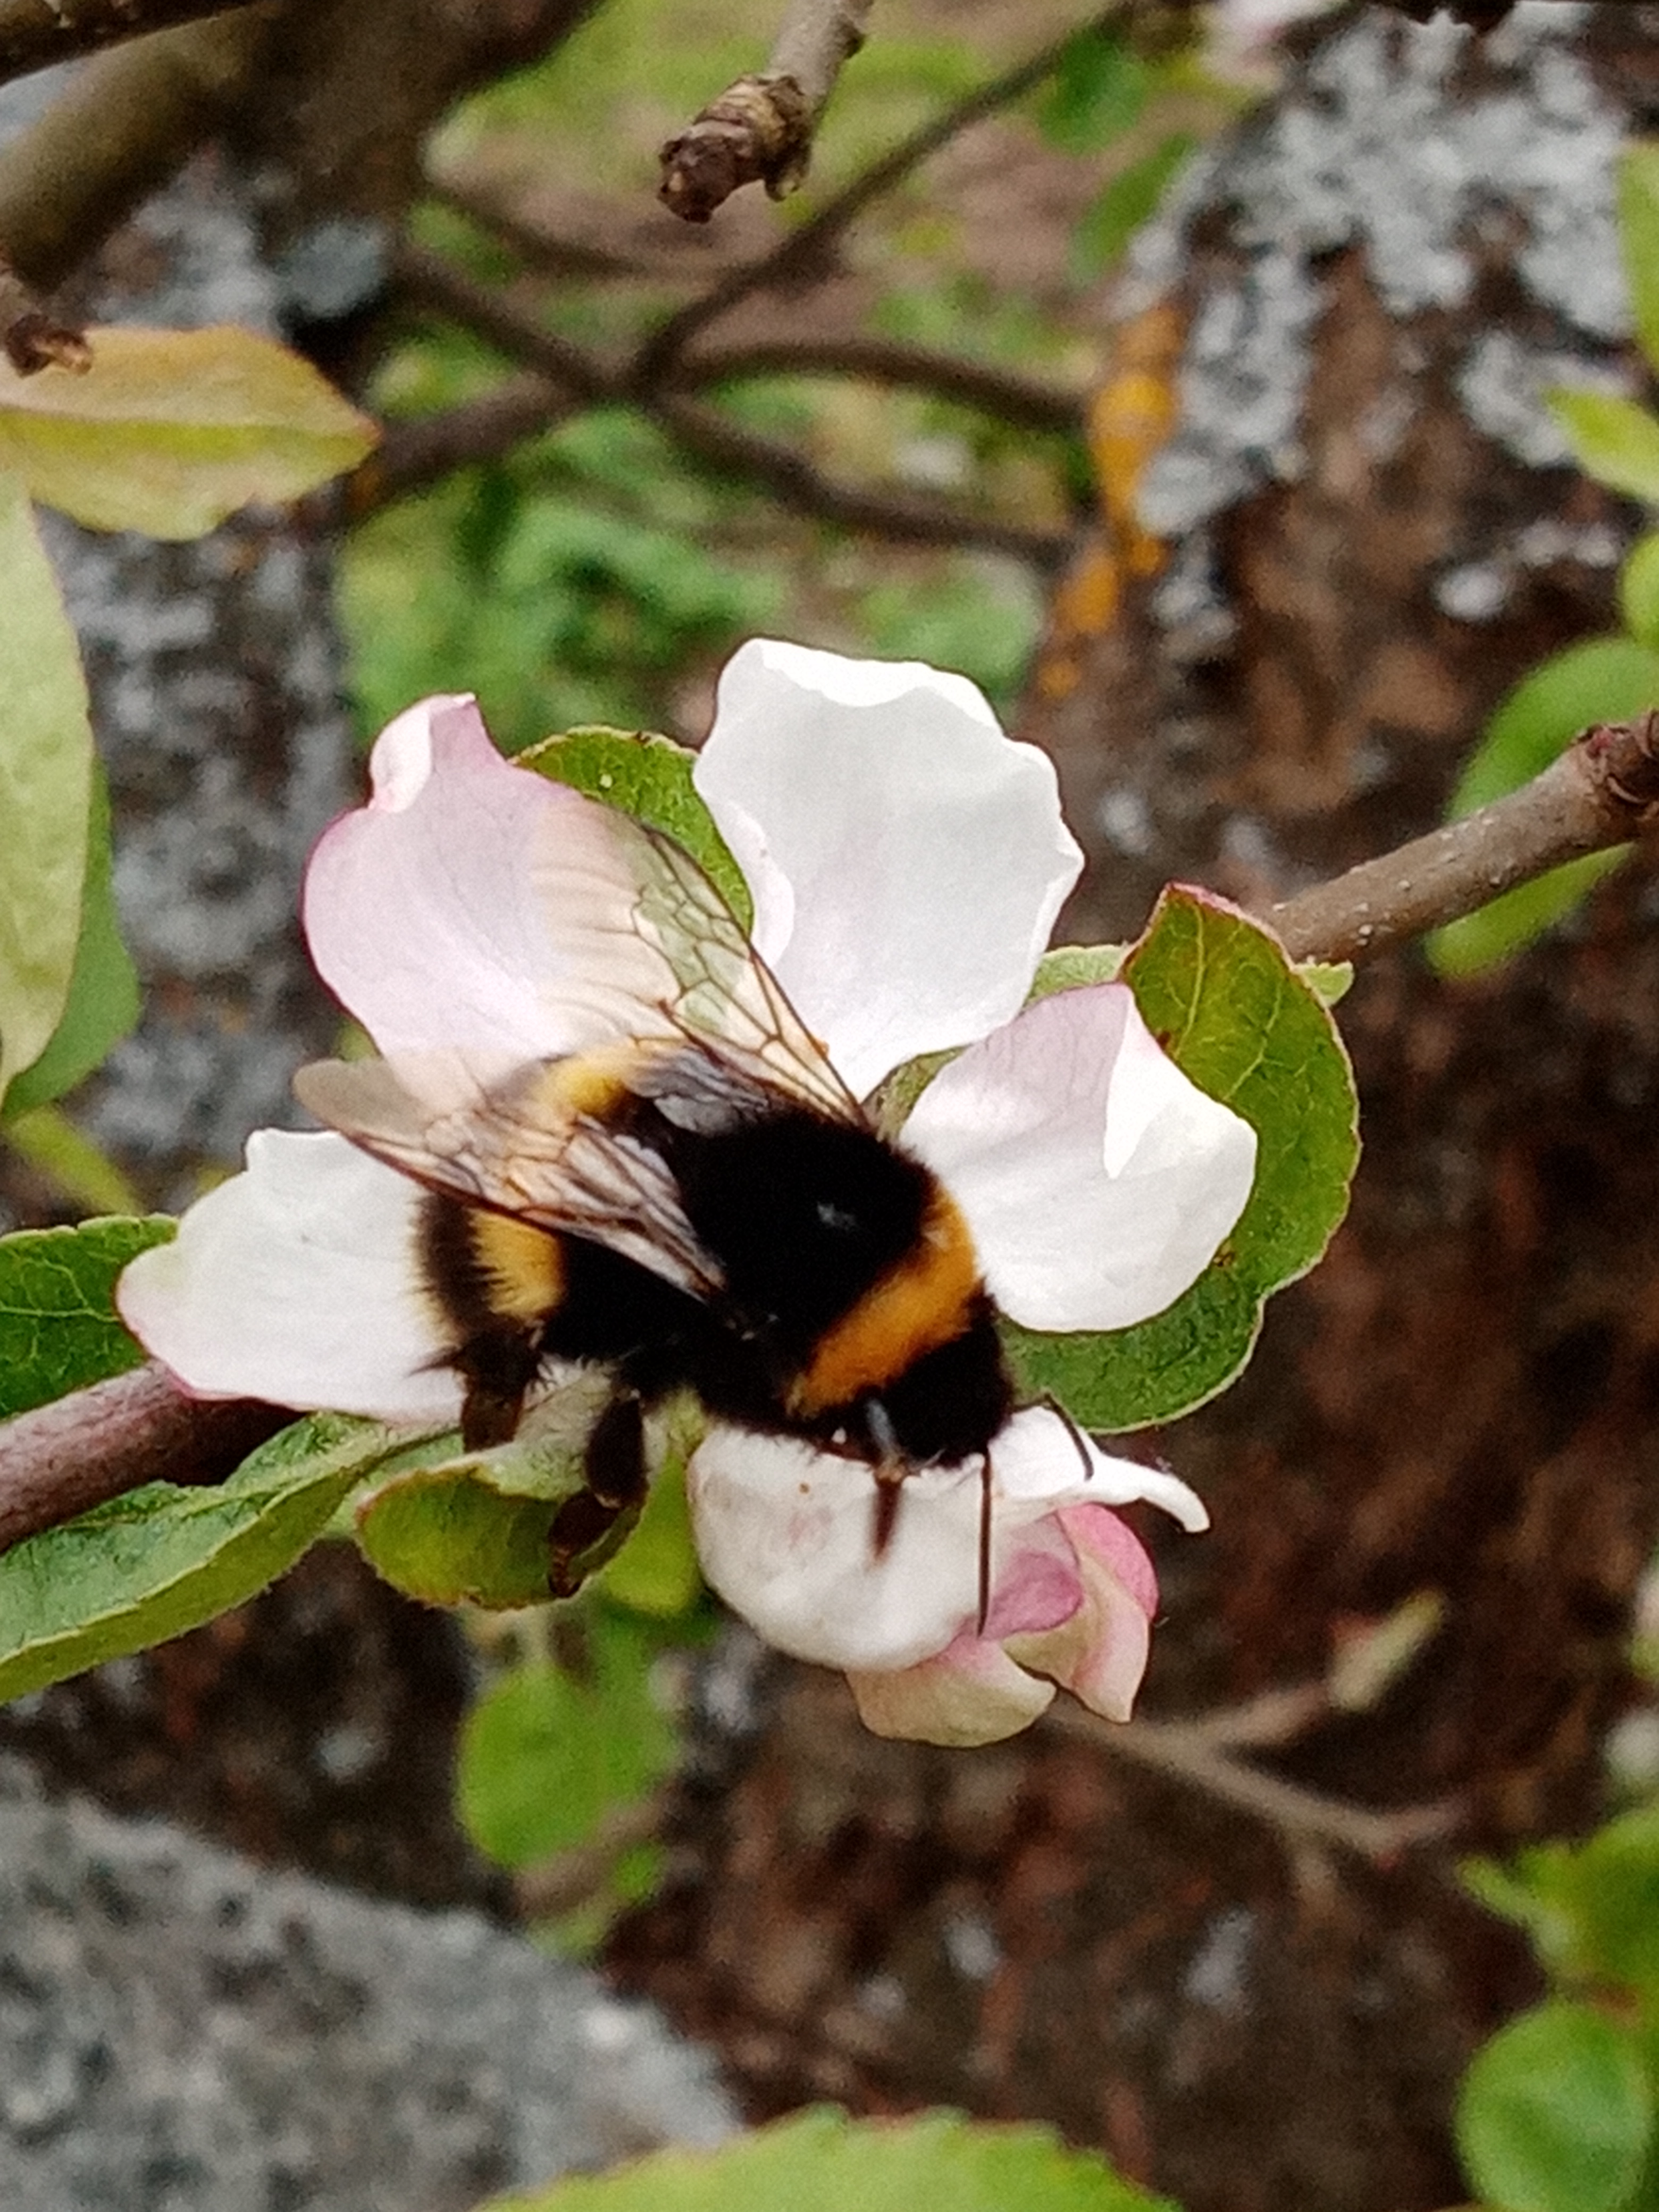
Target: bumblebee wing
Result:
[515, 1142]
[660, 955]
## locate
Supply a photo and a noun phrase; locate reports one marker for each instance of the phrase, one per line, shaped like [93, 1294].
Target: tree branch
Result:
[35, 33]
[909, 518]
[1026, 401]
[98, 1444]
[1603, 790]
[118, 132]
[571, 373]
[761, 128]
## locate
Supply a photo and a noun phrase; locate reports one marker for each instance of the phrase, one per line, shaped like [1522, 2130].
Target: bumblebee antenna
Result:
[984, 1542]
[1053, 1405]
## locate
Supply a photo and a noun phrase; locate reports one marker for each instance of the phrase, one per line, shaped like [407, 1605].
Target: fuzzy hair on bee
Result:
[689, 1199]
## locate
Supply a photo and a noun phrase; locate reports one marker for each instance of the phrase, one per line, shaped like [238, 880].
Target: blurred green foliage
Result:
[1558, 2111]
[597, 573]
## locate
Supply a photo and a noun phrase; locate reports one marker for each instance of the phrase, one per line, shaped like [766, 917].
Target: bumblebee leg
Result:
[615, 1458]
[581, 1523]
[614, 1465]
[496, 1371]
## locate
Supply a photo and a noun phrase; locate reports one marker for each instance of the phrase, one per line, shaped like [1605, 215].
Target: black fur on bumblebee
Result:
[696, 1202]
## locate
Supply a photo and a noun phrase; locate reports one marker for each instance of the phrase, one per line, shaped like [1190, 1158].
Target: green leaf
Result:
[473, 1528]
[170, 431]
[1591, 1909]
[1069, 967]
[1639, 236]
[1604, 679]
[1613, 440]
[649, 778]
[547, 1753]
[1638, 590]
[103, 993]
[823, 2161]
[445, 1538]
[1096, 93]
[45, 792]
[59, 1326]
[1130, 199]
[1331, 979]
[656, 1571]
[1536, 1892]
[1216, 991]
[1617, 1893]
[1556, 2113]
[163, 1559]
[85, 1177]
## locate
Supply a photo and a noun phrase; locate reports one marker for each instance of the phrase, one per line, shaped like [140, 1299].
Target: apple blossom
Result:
[907, 862]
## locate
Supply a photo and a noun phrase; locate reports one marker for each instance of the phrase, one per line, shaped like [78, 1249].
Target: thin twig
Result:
[427, 281]
[906, 517]
[760, 130]
[428, 447]
[1603, 790]
[810, 243]
[1188, 1752]
[1025, 401]
[98, 1444]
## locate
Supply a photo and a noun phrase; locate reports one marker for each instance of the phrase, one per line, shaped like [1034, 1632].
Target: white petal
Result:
[475, 905]
[295, 1282]
[784, 1534]
[1037, 1461]
[922, 852]
[1096, 1180]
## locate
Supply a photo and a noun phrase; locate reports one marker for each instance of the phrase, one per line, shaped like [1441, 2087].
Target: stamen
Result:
[1053, 1405]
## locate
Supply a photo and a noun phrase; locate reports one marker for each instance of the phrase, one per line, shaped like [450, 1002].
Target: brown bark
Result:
[98, 1444]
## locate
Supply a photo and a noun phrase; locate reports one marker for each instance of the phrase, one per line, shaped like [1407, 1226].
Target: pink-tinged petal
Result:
[1096, 1180]
[295, 1282]
[785, 1534]
[1036, 1584]
[1100, 1654]
[970, 1694]
[474, 905]
[922, 853]
[1113, 1546]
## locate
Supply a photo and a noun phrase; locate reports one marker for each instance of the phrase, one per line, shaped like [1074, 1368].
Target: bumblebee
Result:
[690, 1198]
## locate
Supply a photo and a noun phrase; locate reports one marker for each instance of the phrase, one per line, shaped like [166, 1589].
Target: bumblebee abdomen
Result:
[482, 1269]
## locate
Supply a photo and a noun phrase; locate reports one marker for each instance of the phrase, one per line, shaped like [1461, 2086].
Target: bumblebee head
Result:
[946, 1405]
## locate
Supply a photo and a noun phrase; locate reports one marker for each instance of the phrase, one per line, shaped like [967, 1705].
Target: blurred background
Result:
[1186, 389]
